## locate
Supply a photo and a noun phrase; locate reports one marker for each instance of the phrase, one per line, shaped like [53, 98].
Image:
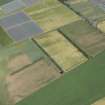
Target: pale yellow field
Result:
[61, 50]
[100, 102]
[53, 18]
[101, 26]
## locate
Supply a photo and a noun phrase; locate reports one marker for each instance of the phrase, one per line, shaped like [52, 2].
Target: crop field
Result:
[52, 18]
[100, 102]
[90, 12]
[86, 37]
[43, 6]
[1, 13]
[101, 26]
[99, 3]
[4, 1]
[52, 52]
[19, 56]
[26, 47]
[4, 38]
[24, 62]
[64, 53]
[87, 80]
[36, 76]
[20, 26]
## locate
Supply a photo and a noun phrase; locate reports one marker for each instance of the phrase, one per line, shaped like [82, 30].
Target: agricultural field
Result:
[82, 86]
[61, 50]
[36, 76]
[4, 1]
[52, 18]
[92, 13]
[86, 37]
[23, 62]
[42, 6]
[52, 52]
[20, 27]
[4, 38]
[100, 102]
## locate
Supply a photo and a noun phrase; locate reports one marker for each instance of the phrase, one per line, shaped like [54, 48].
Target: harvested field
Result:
[99, 102]
[64, 53]
[86, 37]
[53, 18]
[18, 61]
[30, 79]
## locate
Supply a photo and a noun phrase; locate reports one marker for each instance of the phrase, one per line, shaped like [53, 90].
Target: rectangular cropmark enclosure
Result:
[61, 50]
[86, 37]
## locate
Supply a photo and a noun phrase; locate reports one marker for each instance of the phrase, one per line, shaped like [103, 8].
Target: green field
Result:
[82, 86]
[87, 10]
[4, 38]
[86, 37]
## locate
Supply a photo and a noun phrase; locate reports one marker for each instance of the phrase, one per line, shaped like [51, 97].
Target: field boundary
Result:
[75, 45]
[60, 69]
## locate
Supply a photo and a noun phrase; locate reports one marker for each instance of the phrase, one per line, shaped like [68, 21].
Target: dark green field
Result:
[82, 86]
[4, 38]
[86, 37]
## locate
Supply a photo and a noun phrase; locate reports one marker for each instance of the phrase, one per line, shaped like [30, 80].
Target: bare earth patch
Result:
[19, 61]
[29, 80]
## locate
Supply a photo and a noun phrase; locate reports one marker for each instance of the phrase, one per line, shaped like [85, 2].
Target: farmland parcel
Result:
[82, 86]
[61, 50]
[52, 18]
[89, 11]
[86, 37]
